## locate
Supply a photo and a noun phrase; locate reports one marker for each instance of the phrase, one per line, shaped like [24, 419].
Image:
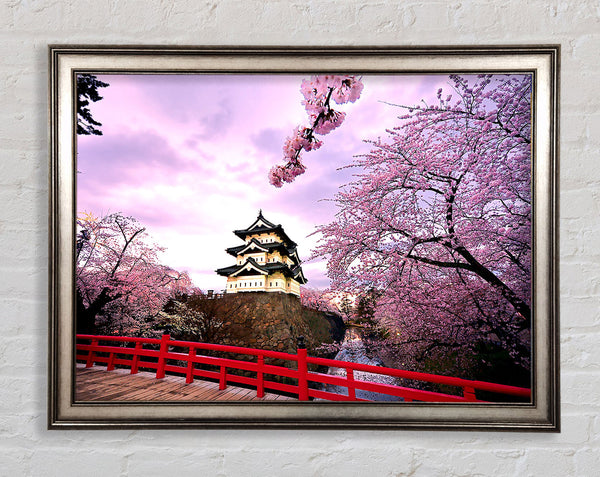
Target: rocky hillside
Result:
[274, 321]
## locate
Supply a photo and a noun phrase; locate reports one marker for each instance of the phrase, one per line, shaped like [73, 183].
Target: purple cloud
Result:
[188, 156]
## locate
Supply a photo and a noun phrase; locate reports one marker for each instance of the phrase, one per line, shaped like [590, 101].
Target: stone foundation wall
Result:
[274, 321]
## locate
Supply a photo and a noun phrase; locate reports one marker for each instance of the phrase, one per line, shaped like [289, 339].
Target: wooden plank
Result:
[98, 384]
[112, 385]
[233, 393]
[167, 389]
[281, 397]
[153, 389]
[198, 391]
[149, 392]
[211, 393]
[104, 384]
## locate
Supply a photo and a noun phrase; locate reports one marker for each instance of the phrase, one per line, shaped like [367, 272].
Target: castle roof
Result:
[251, 267]
[262, 225]
[298, 275]
[284, 245]
[255, 246]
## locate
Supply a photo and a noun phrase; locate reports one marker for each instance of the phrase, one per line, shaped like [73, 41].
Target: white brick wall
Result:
[27, 448]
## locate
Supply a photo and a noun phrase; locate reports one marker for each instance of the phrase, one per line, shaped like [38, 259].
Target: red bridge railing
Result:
[131, 353]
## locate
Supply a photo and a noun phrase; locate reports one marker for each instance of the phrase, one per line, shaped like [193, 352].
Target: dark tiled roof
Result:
[267, 227]
[278, 229]
[267, 269]
[269, 246]
[298, 275]
[228, 270]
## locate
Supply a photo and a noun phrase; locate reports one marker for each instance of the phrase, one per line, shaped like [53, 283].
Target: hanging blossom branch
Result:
[318, 93]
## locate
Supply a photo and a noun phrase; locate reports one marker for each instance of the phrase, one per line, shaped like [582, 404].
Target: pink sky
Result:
[188, 156]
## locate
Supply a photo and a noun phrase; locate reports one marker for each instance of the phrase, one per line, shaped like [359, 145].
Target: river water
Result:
[354, 350]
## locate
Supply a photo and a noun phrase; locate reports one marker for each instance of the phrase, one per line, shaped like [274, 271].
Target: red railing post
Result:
[223, 378]
[91, 355]
[162, 362]
[189, 377]
[136, 358]
[111, 362]
[469, 393]
[351, 388]
[260, 384]
[302, 370]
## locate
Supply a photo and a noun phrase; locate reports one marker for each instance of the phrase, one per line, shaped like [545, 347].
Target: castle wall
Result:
[254, 283]
[270, 237]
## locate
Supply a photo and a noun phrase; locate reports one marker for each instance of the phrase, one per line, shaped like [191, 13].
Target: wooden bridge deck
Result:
[97, 384]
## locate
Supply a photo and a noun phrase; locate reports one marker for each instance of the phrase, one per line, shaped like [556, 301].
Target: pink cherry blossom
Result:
[121, 285]
[438, 223]
[318, 93]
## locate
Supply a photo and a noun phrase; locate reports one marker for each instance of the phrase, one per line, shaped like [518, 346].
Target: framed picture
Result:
[304, 237]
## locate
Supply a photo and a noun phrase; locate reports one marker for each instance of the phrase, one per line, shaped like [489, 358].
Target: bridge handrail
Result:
[431, 378]
[301, 373]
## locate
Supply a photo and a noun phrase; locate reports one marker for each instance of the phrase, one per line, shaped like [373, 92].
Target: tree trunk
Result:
[86, 317]
[85, 321]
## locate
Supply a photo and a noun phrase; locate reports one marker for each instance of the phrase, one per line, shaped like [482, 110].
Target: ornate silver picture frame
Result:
[66, 410]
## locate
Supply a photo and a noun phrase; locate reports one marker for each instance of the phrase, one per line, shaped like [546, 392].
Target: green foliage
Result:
[366, 306]
[495, 365]
[488, 363]
[199, 318]
[87, 90]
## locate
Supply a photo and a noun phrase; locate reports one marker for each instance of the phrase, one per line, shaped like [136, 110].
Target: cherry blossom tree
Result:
[318, 94]
[319, 300]
[120, 282]
[439, 220]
